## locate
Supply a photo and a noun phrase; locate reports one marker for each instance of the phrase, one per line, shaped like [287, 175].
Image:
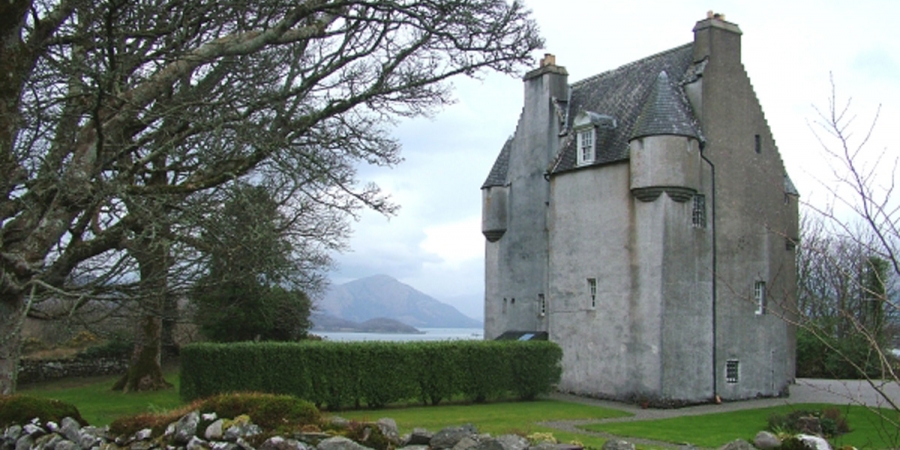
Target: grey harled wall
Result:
[591, 238]
[752, 221]
[516, 265]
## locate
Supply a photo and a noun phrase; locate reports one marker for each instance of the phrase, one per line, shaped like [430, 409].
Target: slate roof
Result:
[789, 187]
[622, 93]
[497, 177]
[664, 112]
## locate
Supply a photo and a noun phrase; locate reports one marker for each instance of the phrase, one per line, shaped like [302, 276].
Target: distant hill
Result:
[327, 322]
[383, 296]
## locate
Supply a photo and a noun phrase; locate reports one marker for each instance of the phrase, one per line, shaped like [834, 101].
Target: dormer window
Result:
[585, 146]
[586, 126]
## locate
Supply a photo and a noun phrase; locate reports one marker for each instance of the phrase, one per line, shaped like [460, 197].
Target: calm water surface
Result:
[429, 334]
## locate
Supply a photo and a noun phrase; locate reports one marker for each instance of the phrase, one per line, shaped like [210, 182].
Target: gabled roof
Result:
[626, 94]
[622, 93]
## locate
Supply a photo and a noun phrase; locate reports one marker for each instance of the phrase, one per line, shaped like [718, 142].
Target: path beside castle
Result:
[840, 392]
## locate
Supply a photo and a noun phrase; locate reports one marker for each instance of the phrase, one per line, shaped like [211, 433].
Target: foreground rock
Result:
[236, 434]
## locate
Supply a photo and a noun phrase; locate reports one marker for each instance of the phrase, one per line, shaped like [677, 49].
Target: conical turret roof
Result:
[664, 112]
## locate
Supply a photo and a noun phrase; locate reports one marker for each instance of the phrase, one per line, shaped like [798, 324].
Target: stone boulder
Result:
[766, 441]
[214, 430]
[504, 442]
[197, 444]
[814, 442]
[389, 430]
[240, 428]
[339, 443]
[450, 436]
[737, 444]
[184, 429]
[467, 443]
[71, 429]
[419, 436]
[617, 444]
[280, 443]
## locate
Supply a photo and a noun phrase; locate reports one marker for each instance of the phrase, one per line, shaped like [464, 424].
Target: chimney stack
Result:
[718, 40]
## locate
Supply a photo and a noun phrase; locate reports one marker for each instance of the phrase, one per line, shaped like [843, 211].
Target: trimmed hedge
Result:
[350, 374]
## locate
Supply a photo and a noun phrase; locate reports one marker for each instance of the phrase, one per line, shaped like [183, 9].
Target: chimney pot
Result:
[548, 60]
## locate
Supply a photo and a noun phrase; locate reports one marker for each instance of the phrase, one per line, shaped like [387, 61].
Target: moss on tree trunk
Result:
[145, 371]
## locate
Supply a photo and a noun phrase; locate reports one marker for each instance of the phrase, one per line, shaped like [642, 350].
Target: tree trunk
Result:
[12, 310]
[145, 370]
[169, 323]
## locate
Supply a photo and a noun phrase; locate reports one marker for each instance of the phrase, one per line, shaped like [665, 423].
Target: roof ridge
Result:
[630, 64]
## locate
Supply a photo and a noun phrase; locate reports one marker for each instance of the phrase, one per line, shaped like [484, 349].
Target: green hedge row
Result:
[343, 374]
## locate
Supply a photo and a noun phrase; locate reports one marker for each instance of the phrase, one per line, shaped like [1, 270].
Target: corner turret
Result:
[664, 146]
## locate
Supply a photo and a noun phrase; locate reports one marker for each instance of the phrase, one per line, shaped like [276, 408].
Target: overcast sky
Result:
[789, 48]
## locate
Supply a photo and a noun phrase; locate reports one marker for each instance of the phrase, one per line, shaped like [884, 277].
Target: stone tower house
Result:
[644, 220]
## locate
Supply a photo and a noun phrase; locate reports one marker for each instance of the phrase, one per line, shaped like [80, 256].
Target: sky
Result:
[790, 49]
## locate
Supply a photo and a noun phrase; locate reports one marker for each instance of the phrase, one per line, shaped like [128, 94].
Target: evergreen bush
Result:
[374, 374]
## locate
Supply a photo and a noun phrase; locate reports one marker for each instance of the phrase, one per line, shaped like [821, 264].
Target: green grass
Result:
[714, 430]
[99, 404]
[495, 418]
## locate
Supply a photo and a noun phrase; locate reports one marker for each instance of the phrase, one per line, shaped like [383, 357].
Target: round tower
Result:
[664, 147]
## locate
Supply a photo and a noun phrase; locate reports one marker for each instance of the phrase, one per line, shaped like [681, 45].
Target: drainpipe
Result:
[714, 275]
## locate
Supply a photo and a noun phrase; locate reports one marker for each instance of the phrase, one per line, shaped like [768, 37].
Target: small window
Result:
[585, 146]
[757, 144]
[592, 290]
[732, 370]
[698, 215]
[542, 303]
[504, 305]
[759, 294]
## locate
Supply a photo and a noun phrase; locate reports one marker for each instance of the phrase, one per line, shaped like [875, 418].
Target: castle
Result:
[643, 219]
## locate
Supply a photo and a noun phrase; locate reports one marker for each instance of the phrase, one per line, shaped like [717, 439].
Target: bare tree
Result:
[850, 250]
[114, 114]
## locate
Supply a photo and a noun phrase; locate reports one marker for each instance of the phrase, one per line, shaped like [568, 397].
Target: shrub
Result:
[340, 374]
[822, 356]
[20, 409]
[273, 413]
[831, 420]
[157, 422]
[368, 435]
[112, 349]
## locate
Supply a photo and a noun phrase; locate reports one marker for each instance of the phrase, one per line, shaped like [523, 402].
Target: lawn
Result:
[714, 430]
[494, 418]
[99, 404]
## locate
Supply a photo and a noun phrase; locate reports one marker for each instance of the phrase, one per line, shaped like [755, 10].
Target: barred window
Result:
[698, 214]
[592, 289]
[732, 371]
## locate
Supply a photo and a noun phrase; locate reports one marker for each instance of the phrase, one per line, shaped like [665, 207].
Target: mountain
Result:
[327, 322]
[383, 296]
